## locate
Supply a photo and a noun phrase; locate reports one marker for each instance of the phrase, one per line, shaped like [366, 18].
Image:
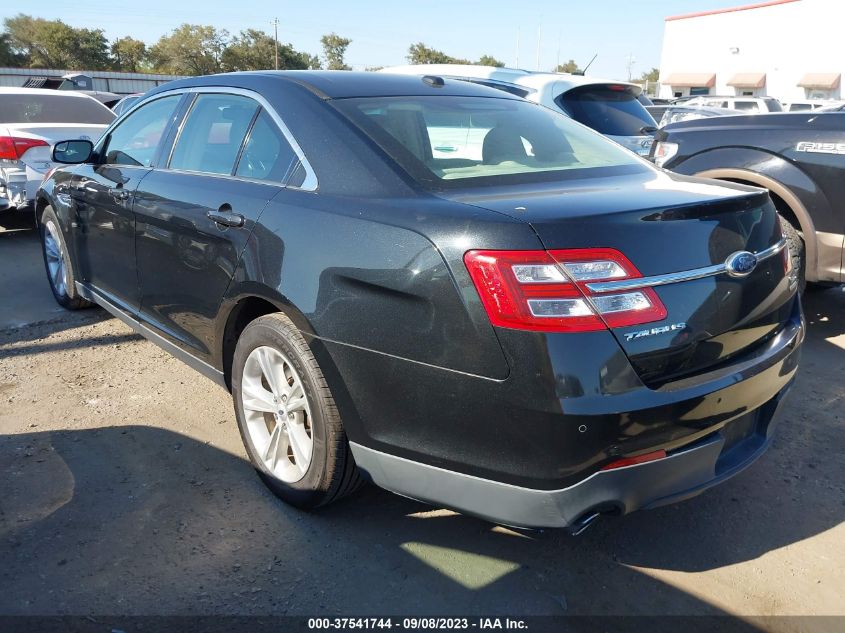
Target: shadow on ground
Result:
[141, 520]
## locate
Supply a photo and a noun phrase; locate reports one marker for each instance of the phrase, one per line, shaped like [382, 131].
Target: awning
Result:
[824, 81]
[691, 80]
[748, 80]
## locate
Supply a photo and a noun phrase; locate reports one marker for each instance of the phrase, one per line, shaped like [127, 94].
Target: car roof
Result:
[340, 84]
[45, 91]
[516, 76]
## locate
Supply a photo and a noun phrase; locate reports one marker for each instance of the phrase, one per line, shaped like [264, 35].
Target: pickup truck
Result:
[798, 157]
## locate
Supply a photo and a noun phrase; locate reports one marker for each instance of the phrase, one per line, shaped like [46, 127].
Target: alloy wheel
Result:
[277, 414]
[55, 258]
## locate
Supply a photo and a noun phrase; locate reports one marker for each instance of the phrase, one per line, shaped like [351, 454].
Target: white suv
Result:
[744, 104]
[609, 107]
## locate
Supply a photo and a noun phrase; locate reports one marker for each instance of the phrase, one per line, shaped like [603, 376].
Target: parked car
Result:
[505, 332]
[31, 120]
[610, 107]
[806, 105]
[798, 157]
[744, 104]
[125, 103]
[675, 113]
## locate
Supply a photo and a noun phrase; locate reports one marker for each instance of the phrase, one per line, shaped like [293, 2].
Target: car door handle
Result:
[119, 193]
[226, 218]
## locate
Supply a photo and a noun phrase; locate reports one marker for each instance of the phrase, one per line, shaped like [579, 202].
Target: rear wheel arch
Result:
[787, 203]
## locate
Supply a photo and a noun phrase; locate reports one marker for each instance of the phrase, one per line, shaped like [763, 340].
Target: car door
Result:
[103, 196]
[196, 213]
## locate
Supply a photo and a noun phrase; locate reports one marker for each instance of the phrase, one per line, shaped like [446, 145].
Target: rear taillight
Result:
[547, 290]
[13, 147]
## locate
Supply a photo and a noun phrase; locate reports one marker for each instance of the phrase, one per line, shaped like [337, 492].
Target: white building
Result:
[787, 49]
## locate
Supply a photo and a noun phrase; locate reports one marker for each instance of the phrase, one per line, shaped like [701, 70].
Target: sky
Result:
[381, 30]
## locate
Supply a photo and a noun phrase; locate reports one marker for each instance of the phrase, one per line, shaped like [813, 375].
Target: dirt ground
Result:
[124, 490]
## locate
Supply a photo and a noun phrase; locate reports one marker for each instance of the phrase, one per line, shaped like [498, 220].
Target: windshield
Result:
[58, 108]
[448, 140]
[610, 109]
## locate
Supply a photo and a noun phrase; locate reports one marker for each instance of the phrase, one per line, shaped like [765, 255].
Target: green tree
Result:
[44, 43]
[489, 60]
[652, 76]
[334, 49]
[569, 67]
[191, 49]
[129, 55]
[253, 50]
[419, 53]
[9, 57]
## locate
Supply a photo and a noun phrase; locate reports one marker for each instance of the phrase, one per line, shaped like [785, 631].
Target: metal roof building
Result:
[120, 83]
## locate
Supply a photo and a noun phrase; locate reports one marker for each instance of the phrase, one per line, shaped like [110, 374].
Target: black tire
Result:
[795, 243]
[65, 292]
[332, 472]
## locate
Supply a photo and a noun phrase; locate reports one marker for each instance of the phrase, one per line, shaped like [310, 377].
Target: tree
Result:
[419, 53]
[570, 67]
[652, 76]
[8, 57]
[334, 49]
[128, 55]
[253, 50]
[489, 60]
[41, 43]
[191, 49]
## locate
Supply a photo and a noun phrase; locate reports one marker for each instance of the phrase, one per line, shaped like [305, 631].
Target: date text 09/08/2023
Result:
[417, 623]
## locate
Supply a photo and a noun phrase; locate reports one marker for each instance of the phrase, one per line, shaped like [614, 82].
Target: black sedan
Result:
[459, 295]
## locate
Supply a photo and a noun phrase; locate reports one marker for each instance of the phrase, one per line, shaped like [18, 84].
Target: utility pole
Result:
[558, 51]
[631, 62]
[518, 31]
[539, 36]
[275, 23]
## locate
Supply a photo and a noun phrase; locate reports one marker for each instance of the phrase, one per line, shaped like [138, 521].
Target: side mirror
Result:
[72, 152]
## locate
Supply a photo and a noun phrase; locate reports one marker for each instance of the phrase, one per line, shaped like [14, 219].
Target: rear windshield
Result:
[58, 108]
[446, 140]
[611, 110]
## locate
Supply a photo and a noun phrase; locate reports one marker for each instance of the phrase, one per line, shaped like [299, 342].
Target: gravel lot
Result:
[124, 490]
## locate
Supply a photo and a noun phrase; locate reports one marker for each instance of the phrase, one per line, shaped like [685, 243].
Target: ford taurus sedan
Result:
[540, 331]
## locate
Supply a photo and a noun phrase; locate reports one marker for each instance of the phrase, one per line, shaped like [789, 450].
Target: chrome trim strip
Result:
[673, 278]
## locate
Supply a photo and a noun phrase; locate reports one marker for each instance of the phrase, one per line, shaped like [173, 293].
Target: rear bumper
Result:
[711, 426]
[681, 475]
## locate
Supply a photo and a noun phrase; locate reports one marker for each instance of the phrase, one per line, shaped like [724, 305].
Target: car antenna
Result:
[433, 80]
[584, 72]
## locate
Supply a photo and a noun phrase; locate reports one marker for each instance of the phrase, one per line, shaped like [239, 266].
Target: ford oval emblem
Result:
[741, 264]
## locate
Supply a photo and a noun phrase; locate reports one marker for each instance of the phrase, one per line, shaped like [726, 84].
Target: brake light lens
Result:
[547, 290]
[13, 147]
[664, 152]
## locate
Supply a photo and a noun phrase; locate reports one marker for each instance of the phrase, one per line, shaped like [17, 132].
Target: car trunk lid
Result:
[668, 224]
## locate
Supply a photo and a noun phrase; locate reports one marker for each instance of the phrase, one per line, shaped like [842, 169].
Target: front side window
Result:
[267, 154]
[135, 140]
[446, 140]
[212, 134]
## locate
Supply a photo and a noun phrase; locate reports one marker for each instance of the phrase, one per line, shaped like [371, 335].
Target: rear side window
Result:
[267, 154]
[749, 106]
[212, 135]
[135, 140]
[57, 108]
[609, 109]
